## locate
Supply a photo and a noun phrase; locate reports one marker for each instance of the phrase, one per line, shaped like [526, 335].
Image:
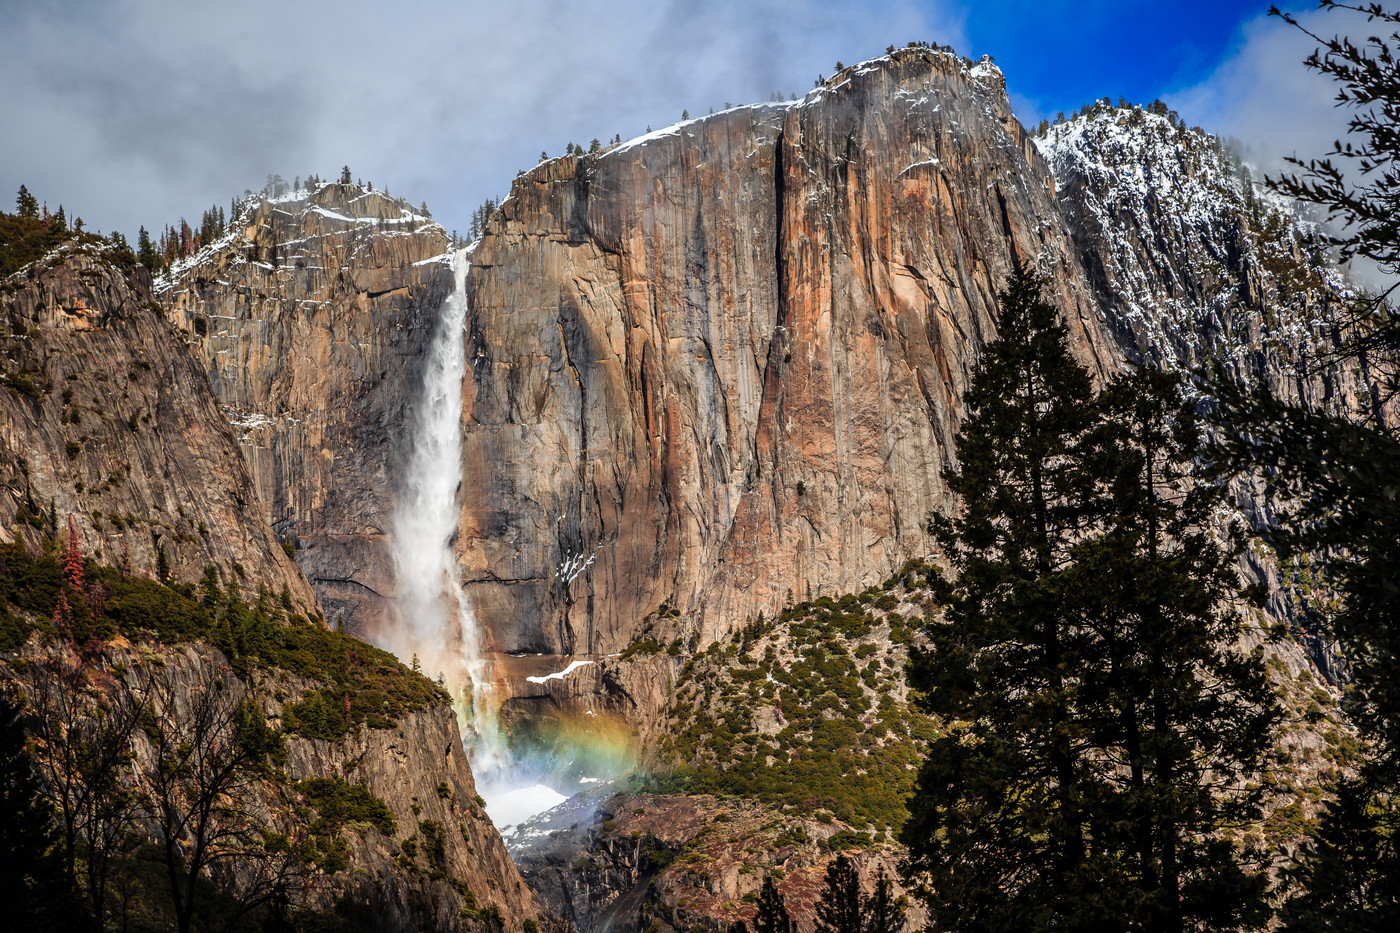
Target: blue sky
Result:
[1060, 55]
[143, 111]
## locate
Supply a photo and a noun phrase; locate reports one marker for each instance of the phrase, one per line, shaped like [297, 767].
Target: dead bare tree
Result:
[83, 720]
[204, 794]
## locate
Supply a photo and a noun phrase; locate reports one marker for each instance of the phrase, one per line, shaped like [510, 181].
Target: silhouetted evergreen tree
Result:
[884, 913]
[839, 910]
[1103, 725]
[33, 882]
[996, 828]
[1183, 720]
[772, 916]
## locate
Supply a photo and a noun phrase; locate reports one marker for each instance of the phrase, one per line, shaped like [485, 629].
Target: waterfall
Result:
[433, 620]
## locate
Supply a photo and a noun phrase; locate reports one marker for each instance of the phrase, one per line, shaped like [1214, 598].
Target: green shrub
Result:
[260, 634]
[339, 802]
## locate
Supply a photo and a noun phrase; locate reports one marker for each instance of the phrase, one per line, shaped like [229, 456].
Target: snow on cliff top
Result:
[981, 71]
[1128, 154]
[1177, 214]
[1131, 154]
[299, 202]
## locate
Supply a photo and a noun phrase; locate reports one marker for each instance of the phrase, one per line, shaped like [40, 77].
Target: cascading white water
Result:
[434, 620]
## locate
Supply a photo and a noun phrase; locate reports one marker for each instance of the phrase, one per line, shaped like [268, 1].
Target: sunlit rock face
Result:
[719, 366]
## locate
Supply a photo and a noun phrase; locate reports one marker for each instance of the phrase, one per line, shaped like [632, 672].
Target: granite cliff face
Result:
[109, 419]
[310, 319]
[420, 770]
[721, 364]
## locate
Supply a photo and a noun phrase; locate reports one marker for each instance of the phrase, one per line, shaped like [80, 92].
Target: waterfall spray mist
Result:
[434, 620]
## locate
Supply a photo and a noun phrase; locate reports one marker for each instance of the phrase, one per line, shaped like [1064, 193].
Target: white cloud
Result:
[140, 111]
[1266, 98]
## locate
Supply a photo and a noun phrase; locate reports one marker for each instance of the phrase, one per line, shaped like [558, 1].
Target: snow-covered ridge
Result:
[1130, 153]
[1195, 258]
[984, 71]
[337, 207]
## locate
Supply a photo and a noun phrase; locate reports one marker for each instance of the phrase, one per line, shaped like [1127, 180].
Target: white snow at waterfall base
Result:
[516, 806]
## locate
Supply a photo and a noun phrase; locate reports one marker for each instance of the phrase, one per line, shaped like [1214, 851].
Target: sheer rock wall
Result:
[310, 319]
[109, 419]
[720, 365]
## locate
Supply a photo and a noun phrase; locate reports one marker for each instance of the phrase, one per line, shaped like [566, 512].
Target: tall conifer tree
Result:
[884, 913]
[839, 910]
[996, 828]
[1102, 723]
[145, 250]
[1182, 720]
[32, 878]
[26, 205]
[772, 916]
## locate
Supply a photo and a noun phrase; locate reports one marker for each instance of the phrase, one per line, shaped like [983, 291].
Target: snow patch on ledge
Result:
[559, 675]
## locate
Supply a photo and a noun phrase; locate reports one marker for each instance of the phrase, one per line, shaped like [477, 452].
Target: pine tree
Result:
[145, 251]
[1105, 726]
[345, 175]
[884, 913]
[996, 828]
[1183, 720]
[62, 616]
[32, 875]
[162, 565]
[73, 557]
[26, 205]
[772, 916]
[839, 910]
